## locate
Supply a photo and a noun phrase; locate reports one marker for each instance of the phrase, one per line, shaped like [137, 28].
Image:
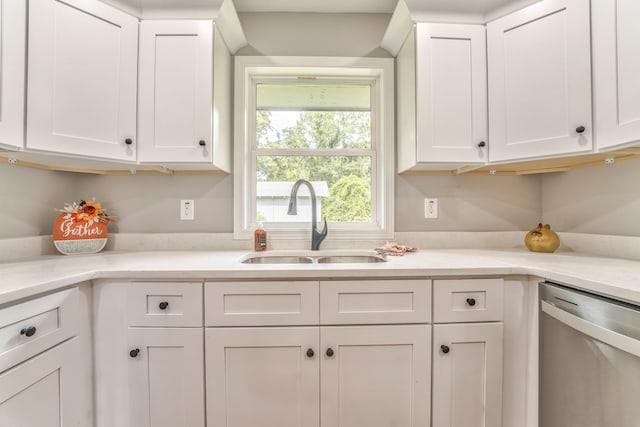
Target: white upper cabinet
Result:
[82, 79]
[616, 71]
[177, 112]
[540, 81]
[442, 96]
[13, 21]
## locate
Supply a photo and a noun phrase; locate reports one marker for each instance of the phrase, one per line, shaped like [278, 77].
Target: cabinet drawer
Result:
[375, 302]
[467, 300]
[261, 303]
[31, 327]
[165, 304]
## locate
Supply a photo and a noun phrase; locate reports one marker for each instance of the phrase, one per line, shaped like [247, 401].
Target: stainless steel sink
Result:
[357, 259]
[279, 259]
[314, 257]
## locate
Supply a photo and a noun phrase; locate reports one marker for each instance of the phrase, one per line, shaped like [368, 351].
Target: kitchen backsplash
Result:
[596, 244]
[599, 200]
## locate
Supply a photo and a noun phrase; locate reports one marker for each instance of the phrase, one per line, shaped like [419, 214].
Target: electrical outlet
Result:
[431, 208]
[187, 208]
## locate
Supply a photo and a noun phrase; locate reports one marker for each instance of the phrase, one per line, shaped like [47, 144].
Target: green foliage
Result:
[350, 200]
[348, 177]
[316, 129]
[263, 126]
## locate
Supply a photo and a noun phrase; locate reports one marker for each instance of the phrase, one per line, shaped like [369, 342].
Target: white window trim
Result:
[249, 68]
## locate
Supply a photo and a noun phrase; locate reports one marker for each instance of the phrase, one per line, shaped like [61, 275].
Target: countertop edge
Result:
[617, 278]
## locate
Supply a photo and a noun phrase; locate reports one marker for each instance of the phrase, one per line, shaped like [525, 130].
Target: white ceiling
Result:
[322, 6]
[471, 7]
[464, 11]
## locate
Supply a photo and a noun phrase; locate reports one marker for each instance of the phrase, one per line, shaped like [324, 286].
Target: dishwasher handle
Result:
[598, 332]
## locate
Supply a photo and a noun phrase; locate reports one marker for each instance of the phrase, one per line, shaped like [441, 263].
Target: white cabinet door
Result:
[82, 79]
[616, 71]
[540, 81]
[451, 87]
[13, 28]
[375, 376]
[166, 377]
[43, 391]
[176, 91]
[262, 377]
[467, 375]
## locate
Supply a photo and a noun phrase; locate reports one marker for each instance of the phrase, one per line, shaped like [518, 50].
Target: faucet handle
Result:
[325, 230]
[318, 236]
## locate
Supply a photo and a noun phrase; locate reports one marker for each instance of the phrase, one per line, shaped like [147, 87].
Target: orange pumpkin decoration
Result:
[81, 229]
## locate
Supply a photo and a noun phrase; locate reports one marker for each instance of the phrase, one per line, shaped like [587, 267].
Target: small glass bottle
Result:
[260, 239]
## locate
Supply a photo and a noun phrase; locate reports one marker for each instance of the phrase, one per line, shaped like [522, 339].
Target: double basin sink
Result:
[314, 257]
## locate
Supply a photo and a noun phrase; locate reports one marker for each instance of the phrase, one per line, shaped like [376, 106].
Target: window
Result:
[326, 120]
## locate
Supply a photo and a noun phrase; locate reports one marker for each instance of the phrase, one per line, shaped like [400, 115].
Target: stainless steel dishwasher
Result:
[589, 359]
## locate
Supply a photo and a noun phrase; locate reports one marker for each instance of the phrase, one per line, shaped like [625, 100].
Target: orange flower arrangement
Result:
[88, 211]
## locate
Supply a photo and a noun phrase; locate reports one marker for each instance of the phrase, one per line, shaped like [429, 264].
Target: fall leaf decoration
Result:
[88, 211]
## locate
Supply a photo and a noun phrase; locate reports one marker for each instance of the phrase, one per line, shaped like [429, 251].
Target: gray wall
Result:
[314, 34]
[600, 200]
[151, 203]
[29, 197]
[468, 203]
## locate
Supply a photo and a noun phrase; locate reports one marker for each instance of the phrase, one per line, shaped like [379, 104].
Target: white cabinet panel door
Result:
[176, 91]
[467, 375]
[166, 377]
[616, 71]
[540, 81]
[43, 391]
[13, 28]
[451, 86]
[361, 302]
[375, 376]
[82, 79]
[261, 303]
[262, 377]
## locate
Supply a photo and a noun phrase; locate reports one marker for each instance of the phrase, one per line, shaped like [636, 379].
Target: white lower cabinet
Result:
[149, 354]
[467, 356]
[166, 377]
[43, 391]
[375, 376]
[262, 377]
[363, 375]
[45, 365]
[467, 375]
[330, 354]
[343, 353]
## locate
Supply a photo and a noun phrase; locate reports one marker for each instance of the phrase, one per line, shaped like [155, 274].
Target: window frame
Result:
[250, 71]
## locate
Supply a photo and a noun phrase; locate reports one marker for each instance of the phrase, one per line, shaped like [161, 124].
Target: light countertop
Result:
[618, 278]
